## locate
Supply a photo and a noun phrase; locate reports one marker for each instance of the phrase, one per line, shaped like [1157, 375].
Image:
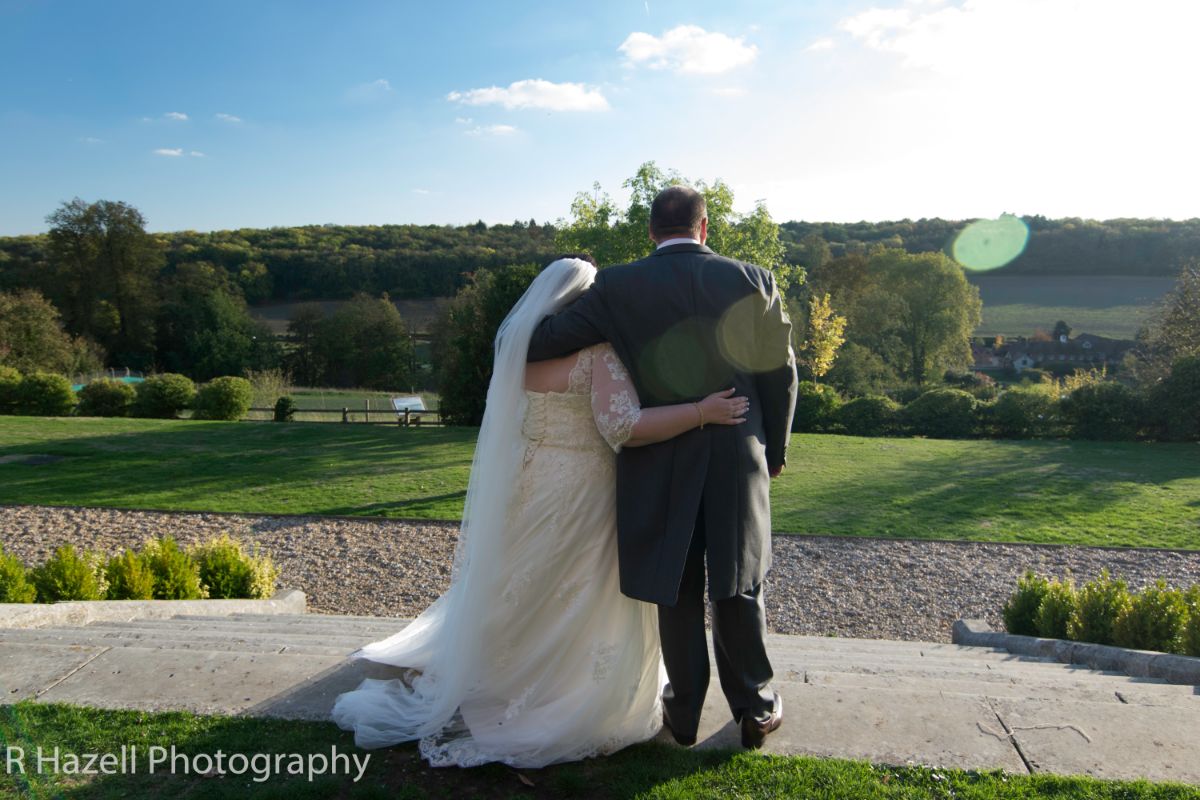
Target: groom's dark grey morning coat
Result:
[688, 322]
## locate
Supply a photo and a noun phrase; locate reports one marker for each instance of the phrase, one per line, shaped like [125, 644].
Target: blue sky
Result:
[246, 114]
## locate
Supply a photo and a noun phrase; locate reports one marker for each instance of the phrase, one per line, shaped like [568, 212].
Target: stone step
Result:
[239, 626]
[166, 639]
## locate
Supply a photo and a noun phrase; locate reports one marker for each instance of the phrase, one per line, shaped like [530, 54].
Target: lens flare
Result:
[990, 243]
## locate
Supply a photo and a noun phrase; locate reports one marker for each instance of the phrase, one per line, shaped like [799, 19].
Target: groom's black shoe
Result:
[680, 738]
[754, 732]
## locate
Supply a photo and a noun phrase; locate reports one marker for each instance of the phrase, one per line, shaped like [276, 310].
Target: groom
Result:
[688, 322]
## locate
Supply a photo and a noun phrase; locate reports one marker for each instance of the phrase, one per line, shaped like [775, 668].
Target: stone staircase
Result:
[886, 701]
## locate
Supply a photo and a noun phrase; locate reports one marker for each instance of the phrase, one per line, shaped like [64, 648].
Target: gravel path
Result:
[869, 588]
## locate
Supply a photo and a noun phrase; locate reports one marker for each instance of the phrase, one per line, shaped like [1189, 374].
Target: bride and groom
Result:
[574, 623]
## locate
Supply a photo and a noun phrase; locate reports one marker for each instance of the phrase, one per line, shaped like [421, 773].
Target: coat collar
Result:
[683, 247]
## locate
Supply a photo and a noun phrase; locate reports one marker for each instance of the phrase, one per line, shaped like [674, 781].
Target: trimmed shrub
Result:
[285, 409]
[176, 573]
[1176, 402]
[130, 577]
[163, 396]
[942, 414]
[15, 586]
[1098, 604]
[226, 398]
[1107, 411]
[45, 394]
[1021, 608]
[1154, 620]
[816, 405]
[1056, 609]
[869, 416]
[227, 570]
[1191, 631]
[106, 397]
[69, 575]
[1025, 411]
[10, 381]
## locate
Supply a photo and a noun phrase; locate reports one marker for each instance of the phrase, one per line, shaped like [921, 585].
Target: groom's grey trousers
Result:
[739, 627]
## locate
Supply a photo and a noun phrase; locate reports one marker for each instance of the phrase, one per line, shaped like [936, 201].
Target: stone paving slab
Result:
[26, 669]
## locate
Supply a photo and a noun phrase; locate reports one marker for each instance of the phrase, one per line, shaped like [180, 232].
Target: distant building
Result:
[1086, 351]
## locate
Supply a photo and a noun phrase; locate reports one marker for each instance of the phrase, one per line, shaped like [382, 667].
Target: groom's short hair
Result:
[677, 211]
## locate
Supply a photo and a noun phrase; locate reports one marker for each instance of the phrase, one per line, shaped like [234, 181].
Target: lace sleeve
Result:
[615, 403]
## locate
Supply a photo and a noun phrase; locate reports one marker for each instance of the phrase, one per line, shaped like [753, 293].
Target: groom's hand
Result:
[775, 472]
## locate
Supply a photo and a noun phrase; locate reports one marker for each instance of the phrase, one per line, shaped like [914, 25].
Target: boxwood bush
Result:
[176, 573]
[1176, 402]
[10, 380]
[226, 398]
[69, 575]
[227, 570]
[1155, 620]
[869, 416]
[1020, 610]
[1058, 604]
[130, 576]
[285, 409]
[163, 396]
[15, 586]
[942, 414]
[45, 394]
[816, 407]
[1098, 604]
[1025, 411]
[1103, 411]
[106, 397]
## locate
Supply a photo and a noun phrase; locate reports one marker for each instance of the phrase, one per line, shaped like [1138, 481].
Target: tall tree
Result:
[823, 334]
[32, 337]
[614, 236]
[918, 314]
[104, 267]
[1173, 331]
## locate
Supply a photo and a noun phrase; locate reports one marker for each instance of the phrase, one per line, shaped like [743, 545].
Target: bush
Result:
[1025, 411]
[226, 398]
[130, 577]
[285, 409]
[163, 396]
[1036, 376]
[176, 573]
[1020, 610]
[869, 416]
[1154, 620]
[1191, 631]
[227, 570]
[14, 582]
[69, 575]
[1098, 605]
[45, 394]
[106, 397]
[1056, 609]
[1109, 411]
[10, 380]
[816, 407]
[942, 414]
[1176, 402]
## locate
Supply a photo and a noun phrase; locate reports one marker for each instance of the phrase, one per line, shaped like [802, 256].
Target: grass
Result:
[652, 771]
[1092, 493]
[1105, 305]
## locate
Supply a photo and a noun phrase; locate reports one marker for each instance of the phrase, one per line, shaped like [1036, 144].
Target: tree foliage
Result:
[821, 336]
[363, 343]
[32, 337]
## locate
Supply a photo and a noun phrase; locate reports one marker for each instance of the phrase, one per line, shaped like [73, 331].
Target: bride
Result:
[533, 656]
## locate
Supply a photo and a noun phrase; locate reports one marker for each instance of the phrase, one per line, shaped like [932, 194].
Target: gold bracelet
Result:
[700, 411]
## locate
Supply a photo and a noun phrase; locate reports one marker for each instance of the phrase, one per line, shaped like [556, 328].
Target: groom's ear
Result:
[703, 229]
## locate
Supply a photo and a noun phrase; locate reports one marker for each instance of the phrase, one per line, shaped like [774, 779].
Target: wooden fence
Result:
[369, 416]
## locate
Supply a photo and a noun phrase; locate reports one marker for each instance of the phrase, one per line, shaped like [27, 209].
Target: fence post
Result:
[367, 410]
[345, 414]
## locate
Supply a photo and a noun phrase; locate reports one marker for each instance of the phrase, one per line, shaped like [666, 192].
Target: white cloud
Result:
[420, 191]
[729, 91]
[820, 45]
[688, 49]
[369, 92]
[463, 120]
[90, 140]
[196, 154]
[173, 152]
[177, 116]
[492, 130]
[535, 93]
[230, 118]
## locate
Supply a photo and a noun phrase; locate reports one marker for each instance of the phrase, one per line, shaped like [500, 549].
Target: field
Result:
[1094, 493]
[1104, 305]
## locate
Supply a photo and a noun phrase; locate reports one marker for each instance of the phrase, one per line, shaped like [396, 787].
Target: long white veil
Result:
[445, 641]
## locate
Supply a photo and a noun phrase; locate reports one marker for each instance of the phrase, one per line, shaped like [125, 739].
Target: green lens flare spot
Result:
[991, 243]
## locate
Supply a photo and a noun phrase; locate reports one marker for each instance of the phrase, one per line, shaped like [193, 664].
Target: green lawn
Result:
[1098, 493]
[651, 771]
[1105, 305]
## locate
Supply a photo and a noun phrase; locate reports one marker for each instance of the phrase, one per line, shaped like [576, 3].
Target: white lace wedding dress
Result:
[564, 667]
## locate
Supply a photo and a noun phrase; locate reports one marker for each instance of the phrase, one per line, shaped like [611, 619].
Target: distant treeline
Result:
[1139, 247]
[416, 261]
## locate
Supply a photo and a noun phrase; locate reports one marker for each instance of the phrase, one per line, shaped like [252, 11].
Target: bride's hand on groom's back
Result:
[721, 408]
